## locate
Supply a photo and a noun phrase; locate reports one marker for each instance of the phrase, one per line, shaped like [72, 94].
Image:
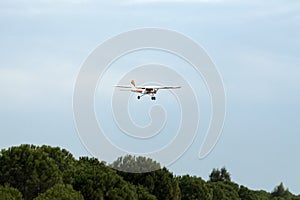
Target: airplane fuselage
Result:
[150, 91]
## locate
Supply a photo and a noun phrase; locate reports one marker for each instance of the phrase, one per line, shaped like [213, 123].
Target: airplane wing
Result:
[158, 87]
[146, 86]
[123, 86]
[168, 87]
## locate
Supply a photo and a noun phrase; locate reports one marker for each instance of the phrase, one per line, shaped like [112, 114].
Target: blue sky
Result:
[255, 46]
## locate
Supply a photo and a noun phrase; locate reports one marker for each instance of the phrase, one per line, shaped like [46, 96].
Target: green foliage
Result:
[134, 164]
[296, 197]
[97, 181]
[221, 185]
[160, 182]
[29, 169]
[143, 193]
[61, 192]
[45, 172]
[218, 193]
[224, 191]
[281, 193]
[64, 161]
[9, 193]
[166, 187]
[219, 175]
[261, 195]
[246, 194]
[193, 188]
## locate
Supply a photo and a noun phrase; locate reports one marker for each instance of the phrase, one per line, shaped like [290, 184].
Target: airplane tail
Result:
[132, 83]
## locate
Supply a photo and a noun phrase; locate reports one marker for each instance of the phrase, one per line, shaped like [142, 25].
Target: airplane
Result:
[145, 90]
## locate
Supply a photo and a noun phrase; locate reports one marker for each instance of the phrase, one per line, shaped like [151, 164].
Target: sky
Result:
[255, 46]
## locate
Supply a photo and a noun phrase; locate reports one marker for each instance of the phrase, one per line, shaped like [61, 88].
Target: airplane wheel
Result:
[138, 97]
[152, 98]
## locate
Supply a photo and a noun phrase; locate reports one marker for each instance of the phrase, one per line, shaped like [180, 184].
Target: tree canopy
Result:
[32, 172]
[61, 192]
[10, 193]
[219, 175]
[193, 188]
[134, 164]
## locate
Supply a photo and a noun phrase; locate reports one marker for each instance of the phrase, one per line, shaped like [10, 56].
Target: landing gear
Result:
[152, 97]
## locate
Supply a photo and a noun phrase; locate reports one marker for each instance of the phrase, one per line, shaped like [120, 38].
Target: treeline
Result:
[44, 173]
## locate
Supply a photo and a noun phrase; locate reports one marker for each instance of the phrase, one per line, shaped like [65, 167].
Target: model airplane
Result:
[145, 90]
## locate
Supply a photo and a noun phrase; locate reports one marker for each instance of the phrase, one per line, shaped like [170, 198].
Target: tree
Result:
[10, 193]
[166, 187]
[224, 191]
[64, 161]
[261, 195]
[29, 169]
[218, 193]
[219, 175]
[97, 181]
[52, 173]
[126, 165]
[160, 182]
[61, 192]
[225, 175]
[221, 185]
[215, 175]
[134, 164]
[143, 193]
[246, 194]
[193, 188]
[280, 192]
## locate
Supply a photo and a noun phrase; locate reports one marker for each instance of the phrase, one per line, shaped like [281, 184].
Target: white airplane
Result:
[145, 90]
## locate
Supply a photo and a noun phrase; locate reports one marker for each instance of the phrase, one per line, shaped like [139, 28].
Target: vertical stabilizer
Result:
[132, 83]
